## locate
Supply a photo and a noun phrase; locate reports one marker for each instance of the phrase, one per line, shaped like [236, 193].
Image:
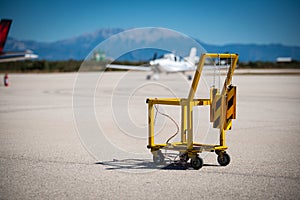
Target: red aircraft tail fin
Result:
[4, 29]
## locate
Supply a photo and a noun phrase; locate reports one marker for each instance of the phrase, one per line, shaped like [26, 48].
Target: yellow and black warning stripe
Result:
[218, 105]
[231, 107]
[213, 92]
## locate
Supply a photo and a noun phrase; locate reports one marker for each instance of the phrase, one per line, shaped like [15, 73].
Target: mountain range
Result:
[79, 47]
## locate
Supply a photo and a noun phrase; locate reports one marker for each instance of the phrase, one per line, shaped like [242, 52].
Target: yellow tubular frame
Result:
[187, 104]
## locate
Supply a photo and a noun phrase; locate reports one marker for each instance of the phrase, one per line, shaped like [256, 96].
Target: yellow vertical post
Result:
[224, 92]
[230, 73]
[150, 124]
[189, 126]
[183, 122]
[190, 99]
[196, 78]
[222, 119]
[222, 137]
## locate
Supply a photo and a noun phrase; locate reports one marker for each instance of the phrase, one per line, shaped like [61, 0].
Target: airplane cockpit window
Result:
[169, 56]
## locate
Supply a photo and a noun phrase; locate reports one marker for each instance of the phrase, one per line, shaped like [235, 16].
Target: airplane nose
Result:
[152, 62]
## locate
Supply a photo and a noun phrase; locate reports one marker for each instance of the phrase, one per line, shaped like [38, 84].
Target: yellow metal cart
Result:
[222, 111]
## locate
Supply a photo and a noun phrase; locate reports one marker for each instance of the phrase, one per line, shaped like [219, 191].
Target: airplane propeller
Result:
[154, 56]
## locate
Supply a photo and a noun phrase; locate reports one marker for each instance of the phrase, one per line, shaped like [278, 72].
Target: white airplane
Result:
[11, 56]
[168, 63]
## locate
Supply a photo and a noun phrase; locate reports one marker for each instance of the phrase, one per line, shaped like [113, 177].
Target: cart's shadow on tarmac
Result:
[142, 164]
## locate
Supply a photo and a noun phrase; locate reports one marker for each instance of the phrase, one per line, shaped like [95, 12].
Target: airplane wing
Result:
[129, 67]
[17, 56]
[11, 56]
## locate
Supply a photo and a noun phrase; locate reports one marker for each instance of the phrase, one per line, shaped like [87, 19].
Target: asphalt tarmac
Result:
[44, 154]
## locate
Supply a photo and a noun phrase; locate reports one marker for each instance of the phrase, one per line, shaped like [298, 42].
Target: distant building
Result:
[99, 56]
[284, 59]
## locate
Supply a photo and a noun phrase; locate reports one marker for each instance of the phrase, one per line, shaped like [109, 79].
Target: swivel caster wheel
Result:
[196, 162]
[223, 159]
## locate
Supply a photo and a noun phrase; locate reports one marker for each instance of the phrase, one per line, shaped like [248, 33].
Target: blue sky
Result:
[214, 22]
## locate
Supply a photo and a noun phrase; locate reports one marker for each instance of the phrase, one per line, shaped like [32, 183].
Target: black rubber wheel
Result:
[223, 159]
[190, 77]
[197, 163]
[159, 158]
[148, 77]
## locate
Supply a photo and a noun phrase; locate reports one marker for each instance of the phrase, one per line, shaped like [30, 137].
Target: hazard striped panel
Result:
[231, 107]
[213, 92]
[218, 111]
